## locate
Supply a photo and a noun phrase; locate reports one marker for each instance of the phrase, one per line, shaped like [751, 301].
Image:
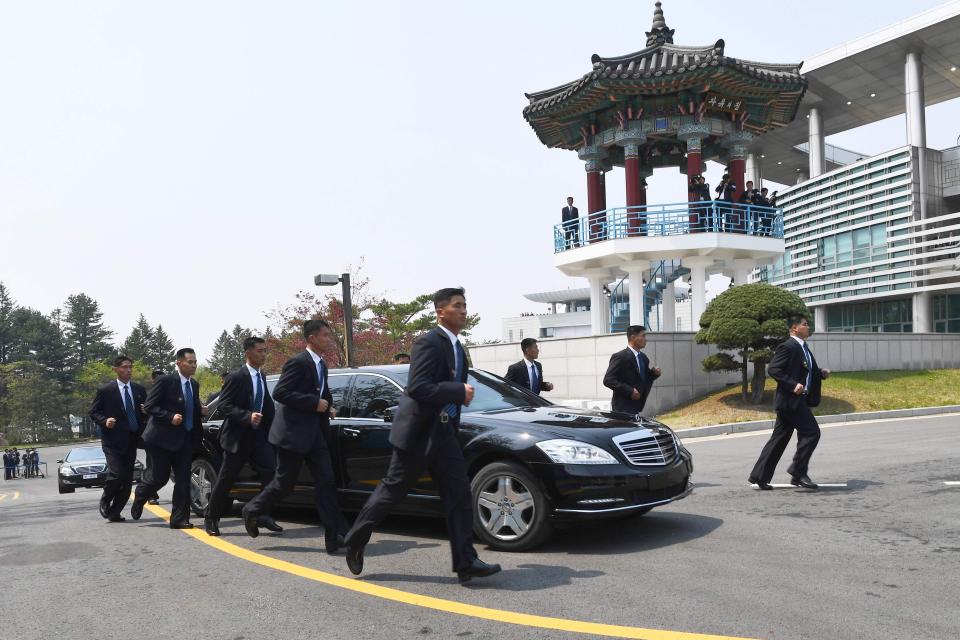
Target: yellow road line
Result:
[438, 604]
[3, 496]
[16, 495]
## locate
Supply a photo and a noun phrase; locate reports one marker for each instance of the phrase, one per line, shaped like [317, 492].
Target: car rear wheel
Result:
[202, 478]
[510, 507]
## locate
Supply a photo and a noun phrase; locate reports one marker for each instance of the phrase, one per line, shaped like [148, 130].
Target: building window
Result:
[889, 316]
[858, 246]
[546, 332]
[946, 313]
[510, 336]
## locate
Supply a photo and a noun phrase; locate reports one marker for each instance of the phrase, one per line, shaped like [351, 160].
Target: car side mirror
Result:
[60, 461]
[388, 414]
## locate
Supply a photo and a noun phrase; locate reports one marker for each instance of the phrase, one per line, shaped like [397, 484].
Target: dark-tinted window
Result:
[492, 393]
[86, 454]
[372, 395]
[338, 389]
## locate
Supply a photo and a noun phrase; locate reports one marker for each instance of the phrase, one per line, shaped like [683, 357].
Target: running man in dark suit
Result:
[528, 373]
[629, 374]
[248, 410]
[305, 406]
[173, 432]
[798, 388]
[116, 409]
[571, 228]
[424, 437]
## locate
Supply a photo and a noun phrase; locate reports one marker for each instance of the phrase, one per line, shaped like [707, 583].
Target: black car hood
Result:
[544, 423]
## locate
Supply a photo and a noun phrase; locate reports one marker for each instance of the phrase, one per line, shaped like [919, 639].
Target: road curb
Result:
[760, 425]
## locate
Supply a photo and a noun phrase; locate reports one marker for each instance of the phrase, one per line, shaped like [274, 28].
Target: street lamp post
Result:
[329, 280]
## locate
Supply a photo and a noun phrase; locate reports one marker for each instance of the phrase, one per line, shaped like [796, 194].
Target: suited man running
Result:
[248, 410]
[798, 389]
[528, 372]
[299, 434]
[115, 411]
[424, 437]
[629, 374]
[173, 432]
[571, 229]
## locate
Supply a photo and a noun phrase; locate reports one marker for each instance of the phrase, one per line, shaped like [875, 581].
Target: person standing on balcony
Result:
[629, 374]
[528, 373]
[571, 225]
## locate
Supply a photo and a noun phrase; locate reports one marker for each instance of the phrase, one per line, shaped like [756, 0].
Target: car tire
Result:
[202, 478]
[510, 508]
[64, 489]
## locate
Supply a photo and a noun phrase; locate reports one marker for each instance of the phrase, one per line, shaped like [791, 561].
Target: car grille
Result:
[644, 448]
[93, 468]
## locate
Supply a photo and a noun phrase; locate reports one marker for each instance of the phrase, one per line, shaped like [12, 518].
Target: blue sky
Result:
[199, 162]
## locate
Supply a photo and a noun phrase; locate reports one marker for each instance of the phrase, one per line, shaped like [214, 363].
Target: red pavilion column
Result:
[631, 140]
[596, 193]
[693, 133]
[736, 143]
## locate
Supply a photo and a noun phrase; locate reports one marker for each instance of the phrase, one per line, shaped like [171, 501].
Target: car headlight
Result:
[66, 471]
[573, 452]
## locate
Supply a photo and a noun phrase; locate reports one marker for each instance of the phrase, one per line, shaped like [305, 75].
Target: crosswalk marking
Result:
[13, 496]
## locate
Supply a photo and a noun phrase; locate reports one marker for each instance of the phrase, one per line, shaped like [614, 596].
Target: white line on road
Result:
[952, 483]
[828, 485]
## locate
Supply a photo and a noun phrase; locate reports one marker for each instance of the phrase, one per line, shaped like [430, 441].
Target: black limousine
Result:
[532, 464]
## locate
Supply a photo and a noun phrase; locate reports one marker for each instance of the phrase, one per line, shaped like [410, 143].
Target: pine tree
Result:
[7, 305]
[228, 351]
[87, 337]
[140, 341]
[162, 353]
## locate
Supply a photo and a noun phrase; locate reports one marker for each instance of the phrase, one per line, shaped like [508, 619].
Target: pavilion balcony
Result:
[670, 220]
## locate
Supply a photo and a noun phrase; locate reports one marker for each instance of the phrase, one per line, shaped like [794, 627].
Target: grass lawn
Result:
[842, 393]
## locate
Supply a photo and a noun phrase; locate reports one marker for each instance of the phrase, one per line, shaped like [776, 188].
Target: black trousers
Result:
[254, 449]
[119, 482]
[162, 461]
[445, 462]
[324, 491]
[808, 435]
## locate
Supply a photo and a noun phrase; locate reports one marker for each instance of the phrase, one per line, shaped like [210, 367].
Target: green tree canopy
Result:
[86, 336]
[138, 343]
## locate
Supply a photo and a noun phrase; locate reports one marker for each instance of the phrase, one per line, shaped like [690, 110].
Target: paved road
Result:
[878, 559]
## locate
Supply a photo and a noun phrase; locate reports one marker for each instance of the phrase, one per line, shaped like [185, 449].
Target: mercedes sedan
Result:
[533, 465]
[86, 467]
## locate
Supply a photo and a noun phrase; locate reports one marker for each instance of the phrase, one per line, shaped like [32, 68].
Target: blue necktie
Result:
[643, 371]
[534, 382]
[131, 412]
[258, 396]
[188, 404]
[453, 409]
[322, 372]
[809, 359]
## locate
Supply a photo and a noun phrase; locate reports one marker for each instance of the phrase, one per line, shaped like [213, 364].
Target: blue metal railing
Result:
[709, 216]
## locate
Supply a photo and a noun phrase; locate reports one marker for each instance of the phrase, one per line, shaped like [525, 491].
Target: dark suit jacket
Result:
[789, 368]
[569, 214]
[431, 385]
[297, 425]
[165, 399]
[623, 376]
[108, 403]
[519, 374]
[236, 398]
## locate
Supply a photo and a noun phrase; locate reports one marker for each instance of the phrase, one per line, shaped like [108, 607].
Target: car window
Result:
[339, 383]
[492, 393]
[85, 454]
[372, 395]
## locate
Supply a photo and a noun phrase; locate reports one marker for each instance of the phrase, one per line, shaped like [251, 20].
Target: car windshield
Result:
[491, 392]
[86, 454]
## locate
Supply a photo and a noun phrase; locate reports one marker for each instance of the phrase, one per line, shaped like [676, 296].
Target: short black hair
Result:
[795, 319]
[156, 373]
[251, 341]
[635, 330]
[443, 296]
[397, 357]
[311, 327]
[183, 352]
[526, 343]
[119, 360]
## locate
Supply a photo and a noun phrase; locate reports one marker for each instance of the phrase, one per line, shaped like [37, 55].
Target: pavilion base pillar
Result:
[635, 271]
[698, 287]
[599, 305]
[668, 309]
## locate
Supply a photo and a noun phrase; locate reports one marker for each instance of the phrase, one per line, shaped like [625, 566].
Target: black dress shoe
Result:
[355, 560]
[153, 501]
[477, 569]
[104, 508]
[211, 526]
[250, 524]
[181, 525]
[136, 509]
[116, 519]
[760, 485]
[803, 481]
[267, 522]
[335, 543]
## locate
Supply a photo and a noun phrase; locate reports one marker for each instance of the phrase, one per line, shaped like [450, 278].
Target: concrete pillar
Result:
[820, 318]
[802, 177]
[922, 312]
[753, 170]
[698, 287]
[668, 310]
[741, 270]
[818, 156]
[917, 122]
[599, 305]
[635, 272]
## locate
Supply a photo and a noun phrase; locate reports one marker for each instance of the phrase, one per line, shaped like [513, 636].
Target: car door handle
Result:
[353, 433]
